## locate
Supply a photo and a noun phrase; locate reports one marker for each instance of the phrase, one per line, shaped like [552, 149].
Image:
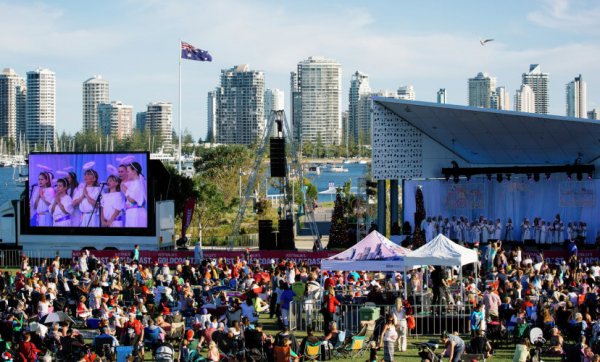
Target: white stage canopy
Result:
[441, 251]
[373, 253]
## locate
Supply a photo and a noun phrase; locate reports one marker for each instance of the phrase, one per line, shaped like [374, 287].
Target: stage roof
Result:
[488, 136]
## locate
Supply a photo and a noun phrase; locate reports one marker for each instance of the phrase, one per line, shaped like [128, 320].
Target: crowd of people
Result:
[65, 202]
[209, 309]
[481, 230]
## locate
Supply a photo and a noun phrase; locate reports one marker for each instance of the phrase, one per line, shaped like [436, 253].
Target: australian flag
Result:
[189, 52]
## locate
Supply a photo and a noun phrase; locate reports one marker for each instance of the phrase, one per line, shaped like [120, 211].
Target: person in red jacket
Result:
[330, 304]
[27, 350]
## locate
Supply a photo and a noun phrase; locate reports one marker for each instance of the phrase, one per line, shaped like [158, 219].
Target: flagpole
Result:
[180, 106]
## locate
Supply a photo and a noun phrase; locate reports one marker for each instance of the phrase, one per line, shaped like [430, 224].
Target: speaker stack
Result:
[278, 162]
[266, 240]
[285, 238]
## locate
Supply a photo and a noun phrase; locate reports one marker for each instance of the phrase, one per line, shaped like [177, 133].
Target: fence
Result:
[429, 319]
[14, 258]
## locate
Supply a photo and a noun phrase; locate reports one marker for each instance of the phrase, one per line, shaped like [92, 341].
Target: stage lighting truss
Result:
[506, 173]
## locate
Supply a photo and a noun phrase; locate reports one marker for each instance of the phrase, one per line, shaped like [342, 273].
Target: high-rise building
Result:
[593, 114]
[345, 127]
[211, 116]
[538, 82]
[140, 121]
[95, 92]
[295, 106]
[442, 96]
[115, 119]
[274, 101]
[406, 92]
[40, 111]
[577, 98]
[240, 106]
[358, 125]
[319, 101]
[500, 99]
[12, 105]
[159, 123]
[525, 99]
[480, 90]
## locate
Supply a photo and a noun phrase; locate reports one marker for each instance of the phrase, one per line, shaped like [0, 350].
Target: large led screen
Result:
[88, 190]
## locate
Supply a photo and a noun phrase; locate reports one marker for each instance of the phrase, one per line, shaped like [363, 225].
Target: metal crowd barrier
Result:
[430, 320]
[14, 258]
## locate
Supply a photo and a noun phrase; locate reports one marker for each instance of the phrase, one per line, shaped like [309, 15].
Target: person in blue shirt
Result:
[477, 320]
[287, 295]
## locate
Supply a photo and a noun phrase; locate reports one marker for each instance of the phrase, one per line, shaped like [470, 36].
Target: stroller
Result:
[165, 353]
[427, 351]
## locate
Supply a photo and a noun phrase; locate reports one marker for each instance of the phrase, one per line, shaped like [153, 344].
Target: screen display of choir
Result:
[88, 190]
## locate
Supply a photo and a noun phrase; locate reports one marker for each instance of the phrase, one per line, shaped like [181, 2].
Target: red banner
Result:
[149, 257]
[188, 213]
[558, 256]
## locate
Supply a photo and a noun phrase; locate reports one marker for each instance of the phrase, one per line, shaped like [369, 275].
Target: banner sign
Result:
[188, 214]
[558, 256]
[172, 257]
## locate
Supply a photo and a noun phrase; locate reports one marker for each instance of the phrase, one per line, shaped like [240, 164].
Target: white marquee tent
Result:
[373, 253]
[441, 251]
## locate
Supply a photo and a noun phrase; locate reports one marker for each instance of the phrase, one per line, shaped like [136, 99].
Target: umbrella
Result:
[57, 317]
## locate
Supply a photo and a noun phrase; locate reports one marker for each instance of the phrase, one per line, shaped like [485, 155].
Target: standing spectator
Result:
[135, 254]
[287, 295]
[399, 314]
[388, 339]
[329, 308]
[477, 320]
[492, 301]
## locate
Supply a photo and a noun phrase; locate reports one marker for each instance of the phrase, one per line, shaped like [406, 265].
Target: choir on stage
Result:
[118, 202]
[482, 229]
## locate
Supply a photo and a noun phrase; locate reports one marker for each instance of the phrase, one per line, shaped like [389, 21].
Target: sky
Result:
[134, 44]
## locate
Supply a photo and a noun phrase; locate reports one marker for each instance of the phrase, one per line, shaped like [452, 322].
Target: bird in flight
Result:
[482, 42]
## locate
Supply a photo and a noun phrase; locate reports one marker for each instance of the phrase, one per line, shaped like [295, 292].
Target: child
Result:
[373, 352]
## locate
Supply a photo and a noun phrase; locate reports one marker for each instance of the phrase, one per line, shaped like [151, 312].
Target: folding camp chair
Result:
[312, 351]
[355, 348]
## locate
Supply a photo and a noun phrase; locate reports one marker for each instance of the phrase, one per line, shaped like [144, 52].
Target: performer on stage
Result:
[543, 232]
[134, 190]
[498, 230]
[72, 186]
[113, 203]
[570, 231]
[62, 207]
[42, 197]
[85, 199]
[508, 236]
[550, 236]
[525, 230]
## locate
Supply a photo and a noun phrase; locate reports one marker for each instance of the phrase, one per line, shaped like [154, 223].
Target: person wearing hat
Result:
[133, 331]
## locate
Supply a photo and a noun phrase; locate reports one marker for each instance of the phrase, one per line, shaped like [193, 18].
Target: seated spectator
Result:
[481, 345]
[521, 351]
[82, 310]
[556, 342]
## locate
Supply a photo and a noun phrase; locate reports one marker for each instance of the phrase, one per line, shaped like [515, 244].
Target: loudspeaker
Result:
[285, 239]
[266, 241]
[278, 162]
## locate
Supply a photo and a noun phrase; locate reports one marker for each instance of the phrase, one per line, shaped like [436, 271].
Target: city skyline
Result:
[431, 49]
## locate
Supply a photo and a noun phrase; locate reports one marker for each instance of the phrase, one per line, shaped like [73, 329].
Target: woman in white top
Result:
[399, 313]
[112, 204]
[62, 207]
[43, 306]
[388, 339]
[42, 198]
[85, 198]
[72, 187]
[135, 204]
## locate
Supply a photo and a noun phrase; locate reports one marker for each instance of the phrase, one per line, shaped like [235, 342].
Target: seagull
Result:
[482, 42]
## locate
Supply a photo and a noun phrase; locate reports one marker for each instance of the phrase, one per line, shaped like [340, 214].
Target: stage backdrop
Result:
[516, 199]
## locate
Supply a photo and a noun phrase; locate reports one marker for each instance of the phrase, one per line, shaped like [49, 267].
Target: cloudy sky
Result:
[430, 44]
